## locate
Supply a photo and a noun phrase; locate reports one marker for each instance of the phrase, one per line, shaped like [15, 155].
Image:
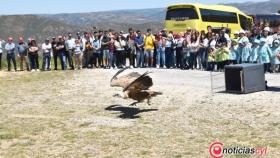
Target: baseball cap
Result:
[241, 32]
[267, 29]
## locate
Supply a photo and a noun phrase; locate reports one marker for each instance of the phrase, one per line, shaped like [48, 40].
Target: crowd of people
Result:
[205, 50]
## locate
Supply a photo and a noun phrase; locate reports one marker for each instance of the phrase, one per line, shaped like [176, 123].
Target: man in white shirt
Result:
[1, 51]
[46, 48]
[10, 49]
[70, 44]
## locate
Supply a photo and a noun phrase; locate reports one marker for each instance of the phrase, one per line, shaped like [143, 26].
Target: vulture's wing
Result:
[120, 71]
[125, 80]
[143, 82]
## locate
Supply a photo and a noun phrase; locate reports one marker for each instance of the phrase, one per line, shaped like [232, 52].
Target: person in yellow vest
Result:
[222, 56]
[149, 46]
[211, 59]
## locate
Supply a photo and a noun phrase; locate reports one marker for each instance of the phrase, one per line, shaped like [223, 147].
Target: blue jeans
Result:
[179, 57]
[46, 61]
[185, 60]
[34, 61]
[62, 58]
[203, 57]
[161, 56]
[192, 60]
[149, 56]
[11, 57]
[140, 58]
[120, 58]
[112, 59]
[169, 55]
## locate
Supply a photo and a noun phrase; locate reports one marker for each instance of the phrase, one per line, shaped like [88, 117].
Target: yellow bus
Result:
[199, 17]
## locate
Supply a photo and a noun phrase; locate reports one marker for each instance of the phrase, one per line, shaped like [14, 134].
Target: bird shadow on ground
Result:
[128, 112]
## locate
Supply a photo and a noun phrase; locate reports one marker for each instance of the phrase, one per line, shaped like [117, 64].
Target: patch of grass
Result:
[37, 130]
[178, 156]
[10, 134]
[70, 137]
[91, 135]
[275, 143]
[144, 152]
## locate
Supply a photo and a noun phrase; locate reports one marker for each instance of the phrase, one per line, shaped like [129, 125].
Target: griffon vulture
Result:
[135, 86]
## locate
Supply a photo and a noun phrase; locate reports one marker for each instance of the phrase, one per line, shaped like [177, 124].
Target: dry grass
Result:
[74, 114]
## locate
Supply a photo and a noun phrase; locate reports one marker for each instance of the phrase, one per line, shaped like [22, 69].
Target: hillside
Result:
[137, 16]
[118, 20]
[267, 7]
[41, 26]
[146, 18]
[33, 26]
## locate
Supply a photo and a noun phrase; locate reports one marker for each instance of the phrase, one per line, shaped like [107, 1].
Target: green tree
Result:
[279, 11]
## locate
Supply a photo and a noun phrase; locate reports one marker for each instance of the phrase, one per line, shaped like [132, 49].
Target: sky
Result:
[8, 7]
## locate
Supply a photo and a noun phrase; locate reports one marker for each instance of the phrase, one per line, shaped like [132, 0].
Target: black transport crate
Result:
[245, 78]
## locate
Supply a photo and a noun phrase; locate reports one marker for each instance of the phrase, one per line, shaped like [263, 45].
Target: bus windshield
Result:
[181, 14]
[245, 23]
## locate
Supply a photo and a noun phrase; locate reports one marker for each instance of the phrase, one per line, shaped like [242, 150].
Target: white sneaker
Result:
[164, 67]
[32, 70]
[37, 70]
[157, 66]
[131, 67]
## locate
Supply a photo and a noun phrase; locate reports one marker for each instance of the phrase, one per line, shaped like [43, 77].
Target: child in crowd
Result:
[222, 56]
[244, 47]
[78, 54]
[211, 59]
[264, 54]
[275, 52]
[185, 55]
[233, 51]
[254, 51]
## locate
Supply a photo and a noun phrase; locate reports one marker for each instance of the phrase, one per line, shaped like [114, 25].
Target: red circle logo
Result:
[216, 149]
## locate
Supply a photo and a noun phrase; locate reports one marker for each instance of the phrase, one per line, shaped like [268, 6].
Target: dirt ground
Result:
[75, 114]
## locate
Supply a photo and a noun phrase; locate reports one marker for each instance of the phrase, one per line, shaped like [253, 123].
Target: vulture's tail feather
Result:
[153, 94]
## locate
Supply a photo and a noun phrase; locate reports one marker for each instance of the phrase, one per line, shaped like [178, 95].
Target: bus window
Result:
[218, 16]
[244, 22]
[181, 14]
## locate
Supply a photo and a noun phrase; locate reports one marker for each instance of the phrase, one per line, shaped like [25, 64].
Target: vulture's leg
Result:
[149, 101]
